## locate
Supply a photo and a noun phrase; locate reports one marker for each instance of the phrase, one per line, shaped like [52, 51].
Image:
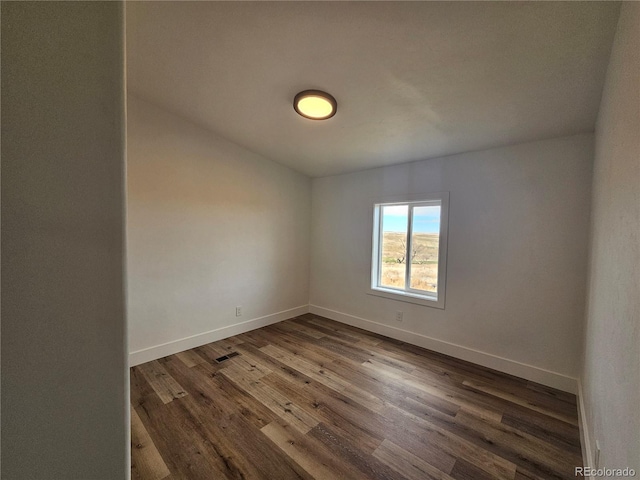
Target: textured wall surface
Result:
[611, 375]
[518, 229]
[64, 377]
[210, 226]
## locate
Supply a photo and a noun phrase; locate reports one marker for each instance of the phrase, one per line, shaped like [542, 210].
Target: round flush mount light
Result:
[315, 104]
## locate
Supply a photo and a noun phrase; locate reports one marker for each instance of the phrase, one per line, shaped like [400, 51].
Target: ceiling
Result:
[413, 80]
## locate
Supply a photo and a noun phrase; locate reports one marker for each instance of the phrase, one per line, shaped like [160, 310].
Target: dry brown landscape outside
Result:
[424, 261]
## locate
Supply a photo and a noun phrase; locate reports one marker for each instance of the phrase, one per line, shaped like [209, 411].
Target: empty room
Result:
[320, 240]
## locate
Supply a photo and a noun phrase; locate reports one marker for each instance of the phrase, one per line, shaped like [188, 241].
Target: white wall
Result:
[211, 226]
[611, 374]
[518, 229]
[64, 374]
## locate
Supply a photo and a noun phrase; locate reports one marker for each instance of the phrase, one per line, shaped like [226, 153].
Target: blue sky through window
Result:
[426, 219]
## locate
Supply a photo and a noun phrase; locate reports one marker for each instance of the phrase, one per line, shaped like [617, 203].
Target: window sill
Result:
[408, 297]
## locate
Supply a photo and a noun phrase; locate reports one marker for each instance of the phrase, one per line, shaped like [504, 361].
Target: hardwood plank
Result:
[317, 350]
[252, 338]
[238, 448]
[313, 398]
[351, 454]
[229, 343]
[523, 450]
[524, 475]
[435, 390]
[212, 351]
[258, 459]
[309, 454]
[360, 353]
[297, 347]
[361, 426]
[412, 467]
[391, 390]
[334, 409]
[549, 392]
[344, 351]
[146, 462]
[248, 368]
[226, 345]
[424, 446]
[220, 397]
[341, 330]
[141, 392]
[453, 444]
[328, 378]
[164, 384]
[209, 355]
[190, 358]
[365, 428]
[548, 429]
[275, 365]
[496, 392]
[324, 330]
[300, 327]
[517, 447]
[177, 436]
[274, 401]
[464, 470]
[456, 388]
[531, 453]
[445, 367]
[230, 420]
[542, 397]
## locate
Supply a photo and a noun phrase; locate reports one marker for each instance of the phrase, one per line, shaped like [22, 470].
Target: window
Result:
[409, 250]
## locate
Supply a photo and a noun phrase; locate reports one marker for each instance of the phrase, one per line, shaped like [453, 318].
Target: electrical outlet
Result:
[238, 311]
[399, 316]
[597, 457]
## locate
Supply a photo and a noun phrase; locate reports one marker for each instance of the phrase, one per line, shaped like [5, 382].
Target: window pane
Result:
[395, 219]
[425, 240]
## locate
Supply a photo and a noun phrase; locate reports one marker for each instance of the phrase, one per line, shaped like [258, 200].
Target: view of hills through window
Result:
[425, 236]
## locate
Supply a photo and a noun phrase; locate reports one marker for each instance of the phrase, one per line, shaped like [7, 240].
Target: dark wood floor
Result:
[312, 398]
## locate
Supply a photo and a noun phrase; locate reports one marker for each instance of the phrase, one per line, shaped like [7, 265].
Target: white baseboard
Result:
[169, 348]
[585, 440]
[512, 367]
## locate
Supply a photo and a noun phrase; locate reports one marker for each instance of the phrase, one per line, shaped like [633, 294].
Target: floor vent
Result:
[227, 357]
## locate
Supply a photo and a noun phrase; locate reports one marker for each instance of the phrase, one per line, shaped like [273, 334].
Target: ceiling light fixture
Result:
[315, 104]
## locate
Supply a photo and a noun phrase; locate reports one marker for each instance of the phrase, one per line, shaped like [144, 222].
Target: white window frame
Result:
[408, 294]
